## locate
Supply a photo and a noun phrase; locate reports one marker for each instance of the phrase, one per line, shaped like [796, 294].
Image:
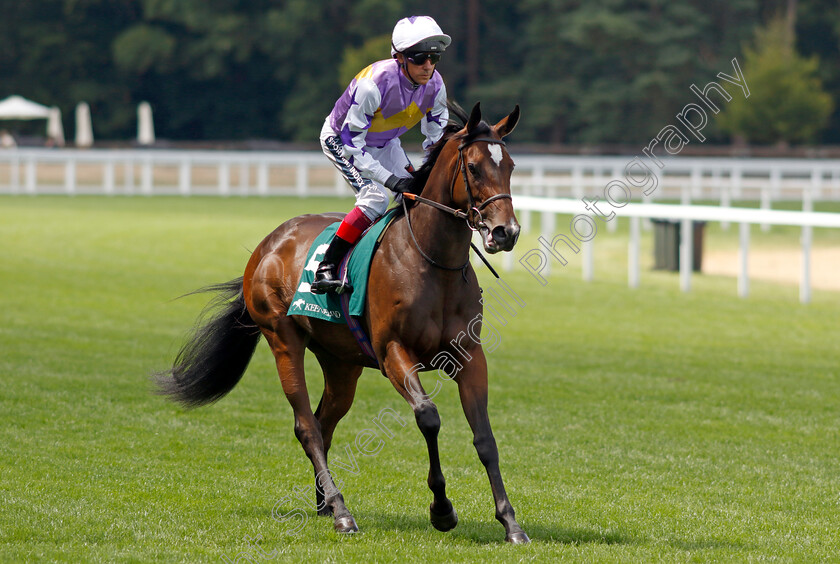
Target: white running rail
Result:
[685, 214]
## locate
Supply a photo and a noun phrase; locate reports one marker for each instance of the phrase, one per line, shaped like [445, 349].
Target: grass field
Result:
[633, 425]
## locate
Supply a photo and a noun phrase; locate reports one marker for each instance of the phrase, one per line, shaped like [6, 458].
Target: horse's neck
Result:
[442, 236]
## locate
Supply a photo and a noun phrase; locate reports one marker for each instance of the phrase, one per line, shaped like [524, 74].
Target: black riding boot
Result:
[326, 277]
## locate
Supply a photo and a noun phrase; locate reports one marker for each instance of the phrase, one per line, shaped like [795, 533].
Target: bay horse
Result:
[423, 293]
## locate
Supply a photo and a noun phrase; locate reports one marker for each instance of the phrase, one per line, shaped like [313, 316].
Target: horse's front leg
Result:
[402, 373]
[472, 387]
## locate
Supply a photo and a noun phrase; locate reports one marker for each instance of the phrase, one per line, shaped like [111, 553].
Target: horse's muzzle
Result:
[501, 237]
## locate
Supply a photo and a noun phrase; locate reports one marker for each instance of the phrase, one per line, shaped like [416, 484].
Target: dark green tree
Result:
[787, 102]
[58, 53]
[818, 34]
[204, 66]
[601, 71]
[615, 70]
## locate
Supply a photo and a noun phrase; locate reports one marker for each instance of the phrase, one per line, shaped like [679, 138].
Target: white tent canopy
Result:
[18, 107]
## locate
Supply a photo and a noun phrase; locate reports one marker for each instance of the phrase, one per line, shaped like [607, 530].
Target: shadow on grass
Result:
[492, 532]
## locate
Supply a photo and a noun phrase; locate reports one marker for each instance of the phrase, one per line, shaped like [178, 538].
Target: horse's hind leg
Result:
[398, 368]
[287, 343]
[339, 390]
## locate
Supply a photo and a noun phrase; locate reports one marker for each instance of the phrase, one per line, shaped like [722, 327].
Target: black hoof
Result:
[327, 512]
[444, 523]
[346, 525]
[518, 538]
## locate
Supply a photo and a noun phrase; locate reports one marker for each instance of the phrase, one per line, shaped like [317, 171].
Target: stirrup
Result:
[326, 281]
[330, 287]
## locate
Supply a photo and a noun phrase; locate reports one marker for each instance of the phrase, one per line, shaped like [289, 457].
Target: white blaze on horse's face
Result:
[496, 153]
[500, 230]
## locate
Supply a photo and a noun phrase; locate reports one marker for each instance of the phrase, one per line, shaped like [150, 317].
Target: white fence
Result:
[686, 215]
[227, 173]
[540, 183]
[156, 172]
[684, 178]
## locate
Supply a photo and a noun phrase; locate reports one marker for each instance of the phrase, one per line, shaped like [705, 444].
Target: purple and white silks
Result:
[378, 106]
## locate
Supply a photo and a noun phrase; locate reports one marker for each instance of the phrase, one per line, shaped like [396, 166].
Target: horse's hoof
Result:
[325, 512]
[346, 525]
[444, 523]
[518, 538]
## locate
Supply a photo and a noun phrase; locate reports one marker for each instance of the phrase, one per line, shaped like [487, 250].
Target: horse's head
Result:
[481, 185]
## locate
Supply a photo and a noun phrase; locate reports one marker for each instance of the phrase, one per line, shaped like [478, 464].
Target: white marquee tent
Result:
[17, 107]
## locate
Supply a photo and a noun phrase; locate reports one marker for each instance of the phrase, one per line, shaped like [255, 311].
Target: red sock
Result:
[353, 225]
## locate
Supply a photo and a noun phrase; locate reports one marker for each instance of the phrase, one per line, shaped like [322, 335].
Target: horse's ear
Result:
[506, 125]
[475, 117]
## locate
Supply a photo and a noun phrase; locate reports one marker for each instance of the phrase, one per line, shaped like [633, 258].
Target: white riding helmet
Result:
[411, 32]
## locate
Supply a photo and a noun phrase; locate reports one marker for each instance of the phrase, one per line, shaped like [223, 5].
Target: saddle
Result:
[348, 307]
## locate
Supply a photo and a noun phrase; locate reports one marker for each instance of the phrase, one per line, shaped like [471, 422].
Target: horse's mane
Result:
[457, 120]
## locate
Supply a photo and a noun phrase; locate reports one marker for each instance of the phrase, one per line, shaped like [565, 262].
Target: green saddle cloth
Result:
[356, 268]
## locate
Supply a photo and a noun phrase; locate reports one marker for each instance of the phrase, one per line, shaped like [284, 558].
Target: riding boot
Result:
[326, 277]
[347, 235]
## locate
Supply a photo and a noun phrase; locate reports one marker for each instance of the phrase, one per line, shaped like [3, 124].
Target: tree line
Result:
[596, 71]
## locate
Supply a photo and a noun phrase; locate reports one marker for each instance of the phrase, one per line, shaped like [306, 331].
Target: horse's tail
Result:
[213, 361]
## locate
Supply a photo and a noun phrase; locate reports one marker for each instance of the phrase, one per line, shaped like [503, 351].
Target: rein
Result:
[472, 216]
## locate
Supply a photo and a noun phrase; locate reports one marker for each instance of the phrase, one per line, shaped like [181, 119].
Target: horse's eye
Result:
[472, 169]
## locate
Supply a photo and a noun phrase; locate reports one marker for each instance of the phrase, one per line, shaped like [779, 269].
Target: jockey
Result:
[361, 134]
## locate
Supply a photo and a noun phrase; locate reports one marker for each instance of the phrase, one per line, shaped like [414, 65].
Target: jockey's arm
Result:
[355, 128]
[434, 122]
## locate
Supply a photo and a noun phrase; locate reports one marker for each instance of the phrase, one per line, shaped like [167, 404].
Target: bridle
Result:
[473, 217]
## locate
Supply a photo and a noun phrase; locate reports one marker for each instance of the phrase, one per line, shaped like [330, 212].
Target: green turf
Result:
[633, 425]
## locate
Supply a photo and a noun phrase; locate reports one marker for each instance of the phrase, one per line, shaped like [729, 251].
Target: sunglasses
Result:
[420, 58]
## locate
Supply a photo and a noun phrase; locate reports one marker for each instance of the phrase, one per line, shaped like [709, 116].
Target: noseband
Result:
[472, 216]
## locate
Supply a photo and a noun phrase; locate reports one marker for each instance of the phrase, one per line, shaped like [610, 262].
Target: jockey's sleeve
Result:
[435, 120]
[355, 128]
